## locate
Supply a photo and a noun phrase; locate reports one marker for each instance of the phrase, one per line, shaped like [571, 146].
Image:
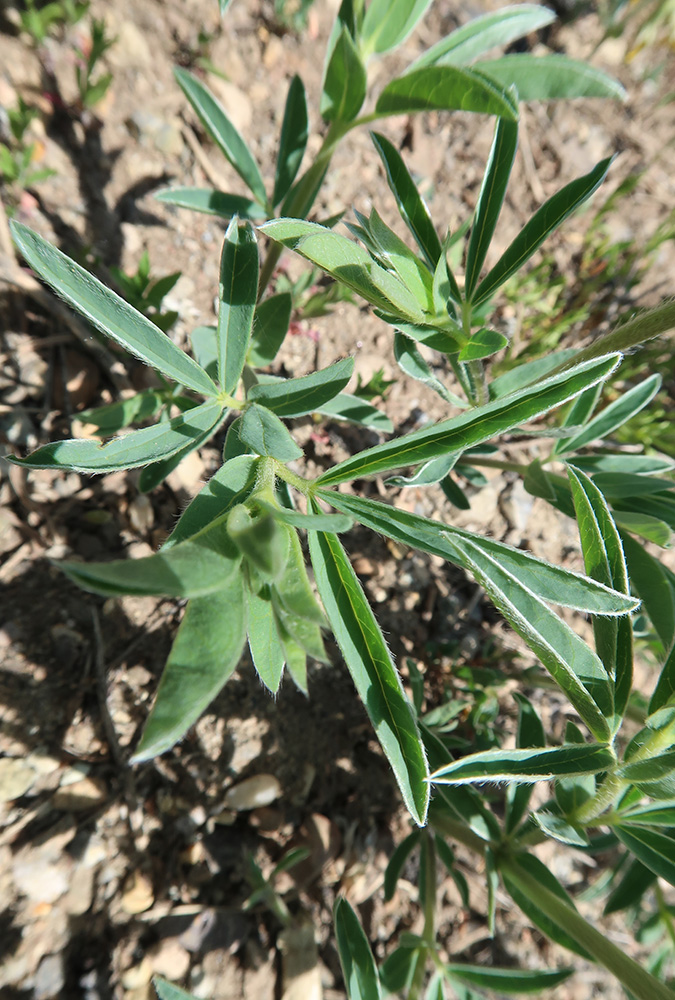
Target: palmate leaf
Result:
[108, 312]
[410, 204]
[237, 293]
[550, 77]
[545, 221]
[205, 653]
[294, 397]
[395, 255]
[358, 965]
[526, 765]
[140, 447]
[551, 583]
[483, 33]
[470, 428]
[293, 140]
[222, 131]
[210, 201]
[372, 669]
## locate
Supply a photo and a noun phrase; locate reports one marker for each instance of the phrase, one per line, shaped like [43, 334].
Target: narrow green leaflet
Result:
[210, 201]
[651, 769]
[294, 132]
[427, 474]
[445, 88]
[483, 33]
[528, 373]
[526, 765]
[651, 582]
[506, 980]
[348, 263]
[197, 567]
[152, 475]
[654, 848]
[294, 397]
[165, 990]
[398, 969]
[635, 882]
[205, 653]
[344, 83]
[665, 687]
[204, 343]
[397, 862]
[265, 434]
[108, 312]
[604, 561]
[617, 485]
[621, 462]
[490, 199]
[395, 255]
[559, 829]
[294, 589]
[544, 221]
[270, 326]
[372, 669]
[550, 77]
[575, 668]
[473, 427]
[358, 965]
[551, 583]
[223, 132]
[615, 414]
[527, 865]
[412, 363]
[387, 23]
[263, 639]
[483, 344]
[530, 734]
[141, 447]
[413, 210]
[228, 487]
[654, 814]
[237, 293]
[355, 410]
[115, 416]
[337, 523]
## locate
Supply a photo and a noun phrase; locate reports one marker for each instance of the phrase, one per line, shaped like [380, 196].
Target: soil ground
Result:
[108, 874]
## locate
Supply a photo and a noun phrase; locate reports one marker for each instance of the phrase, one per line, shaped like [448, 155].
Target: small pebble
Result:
[260, 790]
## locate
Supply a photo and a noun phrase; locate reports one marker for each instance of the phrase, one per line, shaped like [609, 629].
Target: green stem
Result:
[456, 831]
[428, 873]
[636, 979]
[603, 800]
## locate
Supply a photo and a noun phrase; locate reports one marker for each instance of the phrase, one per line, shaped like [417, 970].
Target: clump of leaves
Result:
[236, 556]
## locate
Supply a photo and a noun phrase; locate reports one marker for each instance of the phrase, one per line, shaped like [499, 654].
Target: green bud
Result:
[262, 541]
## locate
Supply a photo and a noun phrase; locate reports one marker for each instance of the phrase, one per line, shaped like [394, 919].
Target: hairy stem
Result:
[636, 979]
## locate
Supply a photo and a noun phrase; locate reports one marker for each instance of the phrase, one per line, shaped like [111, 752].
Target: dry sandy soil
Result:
[110, 874]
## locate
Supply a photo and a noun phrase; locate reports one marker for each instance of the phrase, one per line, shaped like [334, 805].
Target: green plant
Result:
[38, 20]
[91, 86]
[146, 294]
[236, 555]
[17, 157]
